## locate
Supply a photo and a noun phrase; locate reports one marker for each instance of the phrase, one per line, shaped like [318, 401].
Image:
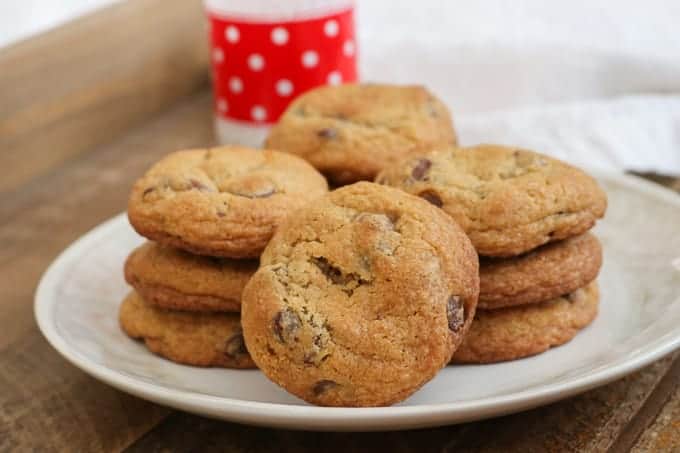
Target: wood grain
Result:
[664, 432]
[47, 404]
[656, 426]
[84, 84]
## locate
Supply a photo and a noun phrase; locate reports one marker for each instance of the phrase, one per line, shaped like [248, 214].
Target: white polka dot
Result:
[218, 55]
[255, 62]
[331, 28]
[222, 105]
[334, 78]
[258, 113]
[232, 34]
[284, 87]
[279, 36]
[310, 59]
[235, 85]
[348, 48]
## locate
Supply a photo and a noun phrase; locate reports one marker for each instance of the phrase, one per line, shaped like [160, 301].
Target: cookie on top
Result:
[508, 200]
[223, 201]
[351, 132]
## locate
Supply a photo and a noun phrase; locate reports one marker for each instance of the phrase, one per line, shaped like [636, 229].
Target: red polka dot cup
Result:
[267, 52]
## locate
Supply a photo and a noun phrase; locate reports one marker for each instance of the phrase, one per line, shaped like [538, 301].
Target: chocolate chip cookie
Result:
[361, 297]
[351, 132]
[172, 278]
[222, 201]
[515, 332]
[199, 339]
[542, 274]
[507, 200]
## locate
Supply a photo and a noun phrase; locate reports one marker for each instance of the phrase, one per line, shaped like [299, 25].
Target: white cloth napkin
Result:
[595, 82]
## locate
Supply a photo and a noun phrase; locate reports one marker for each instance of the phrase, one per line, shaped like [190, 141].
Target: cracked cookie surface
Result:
[199, 339]
[515, 332]
[361, 297]
[350, 132]
[544, 273]
[507, 200]
[172, 278]
[223, 201]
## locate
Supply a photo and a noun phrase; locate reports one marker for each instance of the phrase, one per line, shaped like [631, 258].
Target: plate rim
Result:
[302, 416]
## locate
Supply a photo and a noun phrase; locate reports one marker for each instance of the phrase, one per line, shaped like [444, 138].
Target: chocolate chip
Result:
[432, 197]
[148, 191]
[327, 133]
[331, 272]
[235, 346]
[420, 170]
[285, 324]
[348, 282]
[221, 214]
[455, 313]
[196, 184]
[323, 386]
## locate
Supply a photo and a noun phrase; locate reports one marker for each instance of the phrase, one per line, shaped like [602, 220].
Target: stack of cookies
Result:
[208, 214]
[528, 217]
[361, 295]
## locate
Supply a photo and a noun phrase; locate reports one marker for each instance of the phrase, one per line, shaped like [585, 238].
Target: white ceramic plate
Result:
[77, 303]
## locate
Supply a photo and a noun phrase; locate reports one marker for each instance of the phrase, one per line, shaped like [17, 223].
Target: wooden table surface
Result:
[76, 128]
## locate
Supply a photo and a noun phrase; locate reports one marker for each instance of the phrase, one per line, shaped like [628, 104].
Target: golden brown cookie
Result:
[542, 274]
[172, 278]
[222, 201]
[515, 332]
[361, 297]
[200, 339]
[351, 132]
[507, 200]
